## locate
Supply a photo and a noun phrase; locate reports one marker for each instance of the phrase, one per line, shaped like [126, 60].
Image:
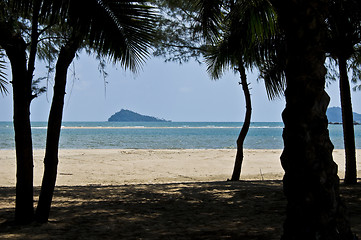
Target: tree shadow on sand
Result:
[207, 210]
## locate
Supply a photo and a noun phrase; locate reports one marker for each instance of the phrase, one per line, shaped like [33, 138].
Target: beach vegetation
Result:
[245, 41]
[342, 41]
[232, 38]
[311, 185]
[178, 38]
[236, 35]
[344, 36]
[19, 25]
[124, 39]
[76, 25]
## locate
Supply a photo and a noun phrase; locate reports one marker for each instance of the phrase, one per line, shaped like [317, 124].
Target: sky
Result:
[180, 93]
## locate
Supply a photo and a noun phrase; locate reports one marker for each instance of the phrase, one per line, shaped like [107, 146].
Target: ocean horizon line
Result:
[163, 135]
[4, 121]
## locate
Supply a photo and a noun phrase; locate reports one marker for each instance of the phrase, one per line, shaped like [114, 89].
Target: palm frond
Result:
[217, 60]
[253, 24]
[210, 18]
[272, 70]
[222, 57]
[3, 79]
[119, 29]
[250, 31]
[273, 75]
[128, 36]
[251, 38]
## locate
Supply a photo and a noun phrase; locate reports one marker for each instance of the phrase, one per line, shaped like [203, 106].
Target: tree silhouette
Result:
[73, 25]
[344, 24]
[120, 30]
[20, 48]
[245, 41]
[311, 184]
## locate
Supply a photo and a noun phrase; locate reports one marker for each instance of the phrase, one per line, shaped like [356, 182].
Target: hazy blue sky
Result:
[165, 90]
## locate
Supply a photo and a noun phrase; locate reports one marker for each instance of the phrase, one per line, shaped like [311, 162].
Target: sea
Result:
[163, 135]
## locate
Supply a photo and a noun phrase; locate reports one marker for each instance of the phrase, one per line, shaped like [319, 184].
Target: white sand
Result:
[123, 166]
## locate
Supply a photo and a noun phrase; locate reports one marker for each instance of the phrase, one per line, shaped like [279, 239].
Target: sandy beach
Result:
[160, 194]
[129, 166]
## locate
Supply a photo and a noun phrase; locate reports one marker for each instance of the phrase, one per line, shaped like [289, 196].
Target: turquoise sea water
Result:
[167, 135]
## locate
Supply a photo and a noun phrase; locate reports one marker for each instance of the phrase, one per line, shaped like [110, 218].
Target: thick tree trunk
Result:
[347, 124]
[66, 56]
[311, 185]
[24, 209]
[247, 121]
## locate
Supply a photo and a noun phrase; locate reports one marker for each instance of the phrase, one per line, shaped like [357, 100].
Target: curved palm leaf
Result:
[219, 59]
[253, 25]
[272, 73]
[119, 29]
[135, 30]
[251, 38]
[344, 25]
[3, 80]
[210, 18]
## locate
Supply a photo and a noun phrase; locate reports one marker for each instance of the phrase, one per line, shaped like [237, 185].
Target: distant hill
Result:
[129, 116]
[334, 115]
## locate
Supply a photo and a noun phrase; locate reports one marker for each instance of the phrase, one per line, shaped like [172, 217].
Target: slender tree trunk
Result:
[66, 56]
[311, 185]
[22, 76]
[24, 209]
[247, 121]
[347, 124]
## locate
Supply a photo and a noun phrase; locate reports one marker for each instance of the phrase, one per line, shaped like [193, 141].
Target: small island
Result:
[130, 116]
[334, 116]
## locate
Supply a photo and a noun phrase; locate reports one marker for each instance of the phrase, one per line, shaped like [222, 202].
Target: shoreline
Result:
[153, 166]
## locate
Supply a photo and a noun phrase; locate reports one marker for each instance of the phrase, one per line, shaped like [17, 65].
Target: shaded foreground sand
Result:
[161, 194]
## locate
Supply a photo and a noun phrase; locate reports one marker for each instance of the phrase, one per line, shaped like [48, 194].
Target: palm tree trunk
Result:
[24, 209]
[22, 77]
[311, 184]
[66, 56]
[347, 124]
[247, 121]
[15, 48]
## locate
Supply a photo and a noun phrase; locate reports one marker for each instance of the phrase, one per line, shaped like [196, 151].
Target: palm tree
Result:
[243, 45]
[344, 35]
[314, 210]
[125, 39]
[343, 24]
[121, 30]
[311, 184]
[22, 59]
[214, 66]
